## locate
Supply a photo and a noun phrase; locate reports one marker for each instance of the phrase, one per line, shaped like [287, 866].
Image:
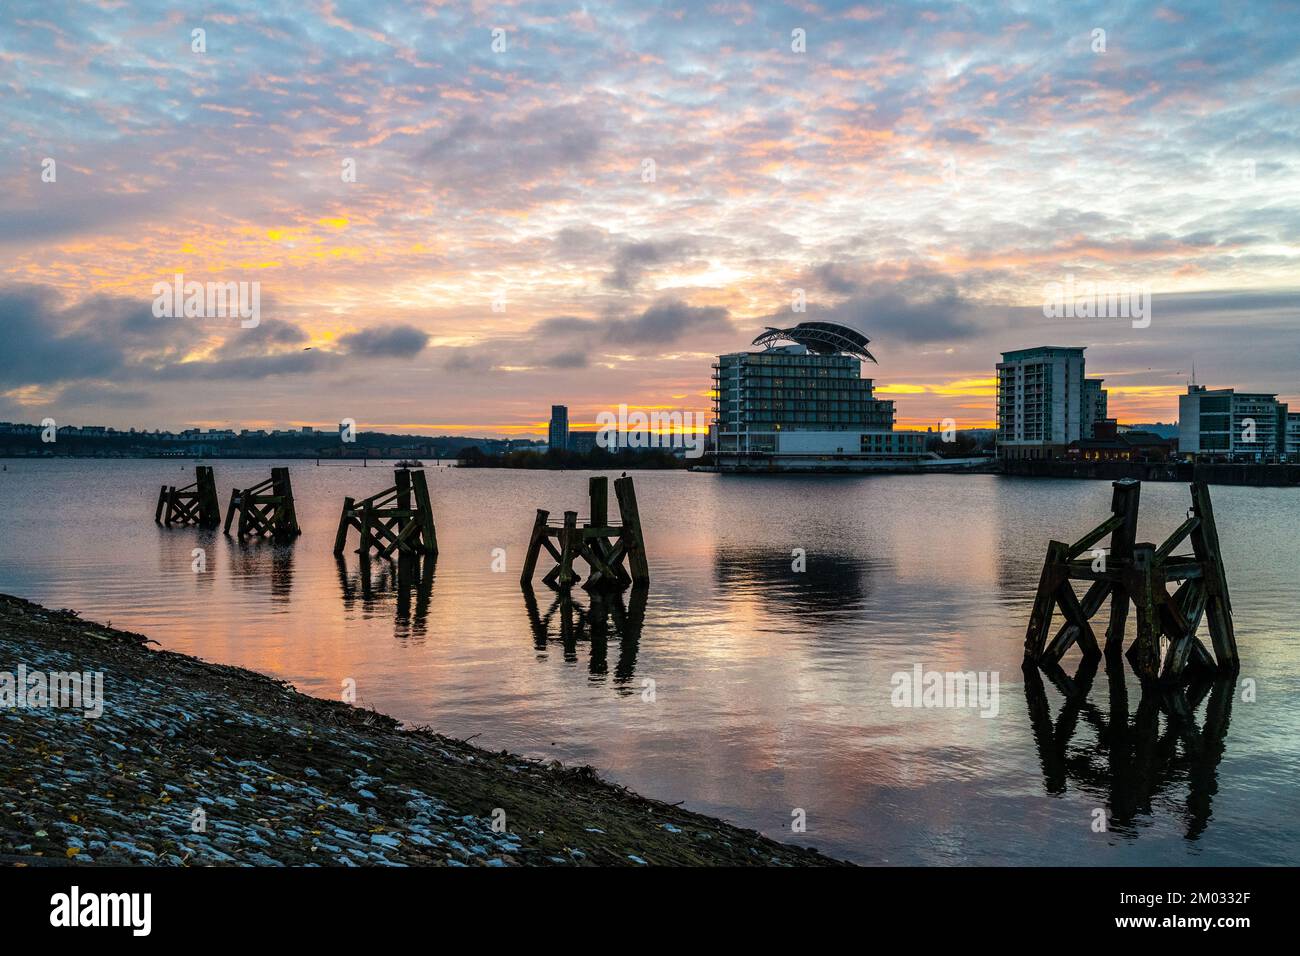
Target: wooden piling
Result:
[1144, 654]
[397, 520]
[568, 547]
[1040, 618]
[194, 504]
[534, 548]
[1124, 500]
[1218, 606]
[425, 509]
[1166, 648]
[631, 534]
[598, 491]
[602, 545]
[341, 536]
[266, 509]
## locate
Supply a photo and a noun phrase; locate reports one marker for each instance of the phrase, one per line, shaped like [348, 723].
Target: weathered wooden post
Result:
[195, 503]
[568, 545]
[424, 508]
[631, 537]
[390, 521]
[267, 508]
[1144, 655]
[1124, 501]
[598, 492]
[602, 545]
[1218, 606]
[535, 542]
[367, 526]
[1166, 642]
[1040, 618]
[286, 519]
[341, 536]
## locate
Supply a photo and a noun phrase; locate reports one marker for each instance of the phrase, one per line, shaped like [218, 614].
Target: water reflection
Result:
[830, 586]
[254, 560]
[1134, 760]
[619, 615]
[176, 554]
[406, 583]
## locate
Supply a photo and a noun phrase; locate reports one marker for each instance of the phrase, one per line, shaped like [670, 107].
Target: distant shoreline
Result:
[1213, 473]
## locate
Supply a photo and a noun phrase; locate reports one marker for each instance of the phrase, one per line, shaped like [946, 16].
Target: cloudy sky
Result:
[636, 187]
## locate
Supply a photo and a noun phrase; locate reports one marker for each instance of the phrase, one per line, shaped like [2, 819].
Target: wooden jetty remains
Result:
[1140, 573]
[602, 545]
[398, 519]
[266, 508]
[194, 504]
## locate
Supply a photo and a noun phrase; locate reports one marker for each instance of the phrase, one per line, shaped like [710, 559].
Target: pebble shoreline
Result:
[278, 778]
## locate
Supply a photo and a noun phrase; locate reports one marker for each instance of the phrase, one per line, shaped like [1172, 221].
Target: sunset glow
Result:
[589, 215]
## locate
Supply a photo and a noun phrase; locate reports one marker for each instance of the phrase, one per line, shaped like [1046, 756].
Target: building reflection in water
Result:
[255, 560]
[605, 617]
[1134, 760]
[831, 586]
[405, 583]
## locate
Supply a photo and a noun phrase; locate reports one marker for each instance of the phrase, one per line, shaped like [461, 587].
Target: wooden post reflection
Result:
[1140, 762]
[610, 615]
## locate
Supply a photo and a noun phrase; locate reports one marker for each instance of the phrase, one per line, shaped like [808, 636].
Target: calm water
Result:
[771, 688]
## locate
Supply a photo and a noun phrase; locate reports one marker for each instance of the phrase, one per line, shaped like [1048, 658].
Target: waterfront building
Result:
[557, 434]
[1225, 423]
[1040, 401]
[582, 442]
[1292, 439]
[1112, 443]
[1094, 405]
[804, 405]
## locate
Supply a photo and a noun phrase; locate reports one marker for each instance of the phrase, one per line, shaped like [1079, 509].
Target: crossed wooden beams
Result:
[266, 508]
[387, 522]
[194, 504]
[1166, 623]
[602, 545]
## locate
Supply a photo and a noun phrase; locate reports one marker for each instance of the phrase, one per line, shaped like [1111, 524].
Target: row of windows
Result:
[799, 372]
[779, 358]
[863, 395]
[828, 406]
[786, 419]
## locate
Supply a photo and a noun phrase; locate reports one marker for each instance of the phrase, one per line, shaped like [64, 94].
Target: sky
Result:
[459, 214]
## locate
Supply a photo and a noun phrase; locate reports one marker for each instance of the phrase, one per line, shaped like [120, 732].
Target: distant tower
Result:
[558, 434]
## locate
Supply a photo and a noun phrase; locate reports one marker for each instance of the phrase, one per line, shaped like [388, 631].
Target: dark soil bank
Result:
[193, 763]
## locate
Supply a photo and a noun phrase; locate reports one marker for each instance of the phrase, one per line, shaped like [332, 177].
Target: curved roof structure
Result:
[824, 338]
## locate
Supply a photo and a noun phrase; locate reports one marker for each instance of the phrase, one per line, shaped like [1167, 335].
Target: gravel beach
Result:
[196, 764]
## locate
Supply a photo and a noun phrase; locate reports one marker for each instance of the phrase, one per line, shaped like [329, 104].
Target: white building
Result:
[1222, 422]
[805, 405]
[1041, 401]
